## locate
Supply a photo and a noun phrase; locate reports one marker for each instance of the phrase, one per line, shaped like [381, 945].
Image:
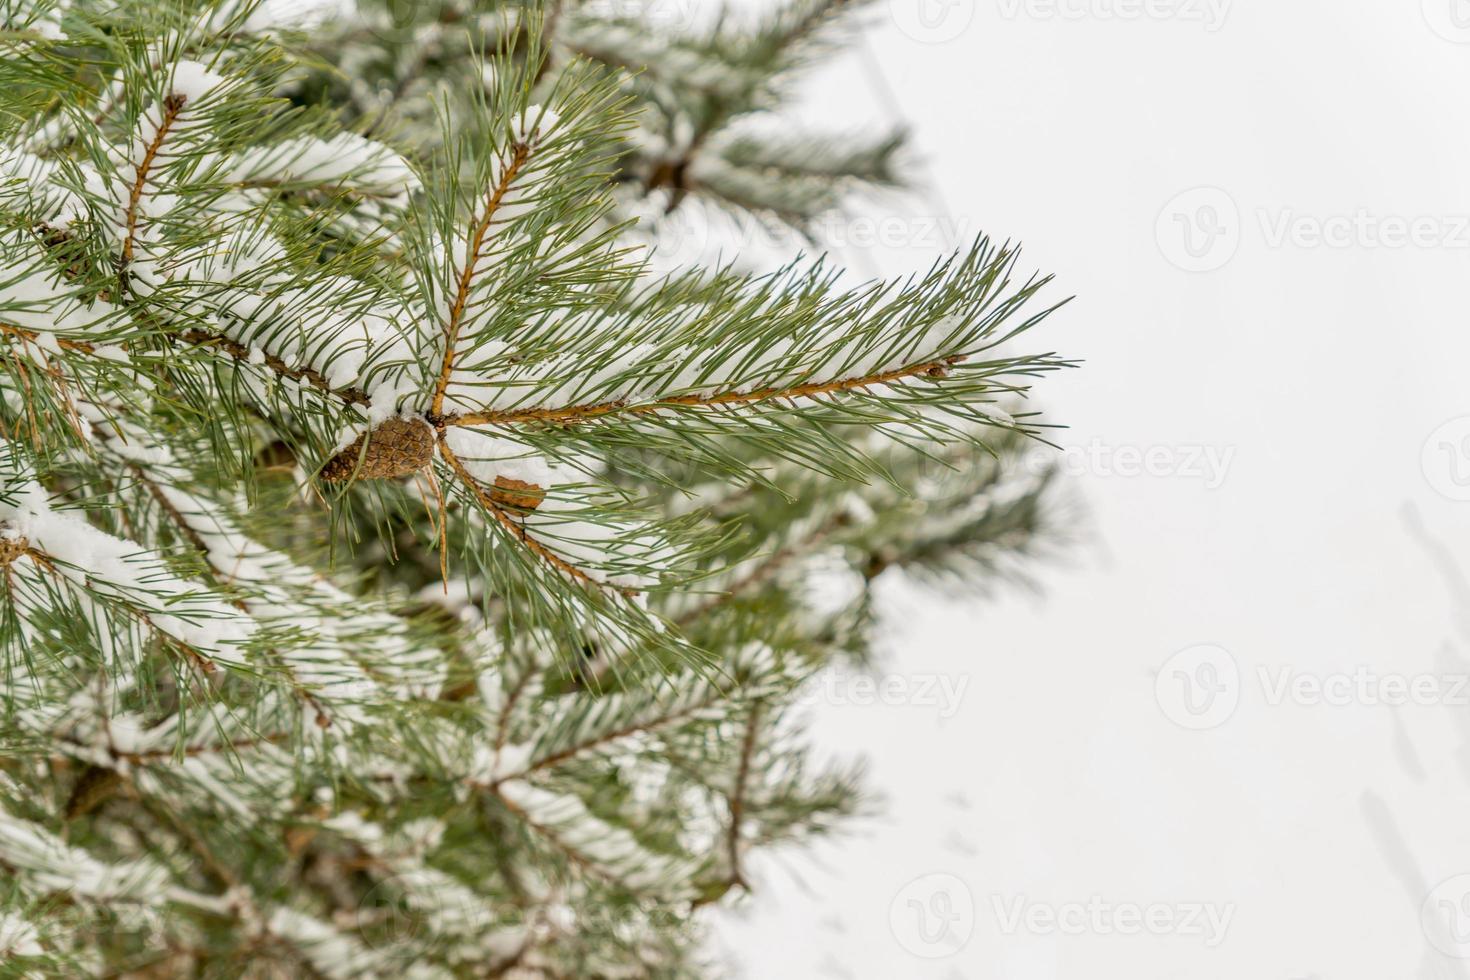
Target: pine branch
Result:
[383, 428]
[572, 414]
[481, 227]
[514, 528]
[173, 105]
[598, 725]
[737, 795]
[606, 853]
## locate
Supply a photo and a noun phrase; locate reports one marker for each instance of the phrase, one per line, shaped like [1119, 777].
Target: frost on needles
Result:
[401, 572]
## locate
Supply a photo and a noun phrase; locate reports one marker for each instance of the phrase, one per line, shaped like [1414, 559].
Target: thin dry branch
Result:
[737, 795]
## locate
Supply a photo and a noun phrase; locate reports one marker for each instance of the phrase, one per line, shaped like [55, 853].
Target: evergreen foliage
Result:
[398, 574]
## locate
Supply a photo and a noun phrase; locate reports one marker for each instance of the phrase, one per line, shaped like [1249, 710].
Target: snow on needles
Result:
[346, 159]
[53, 865]
[118, 570]
[193, 81]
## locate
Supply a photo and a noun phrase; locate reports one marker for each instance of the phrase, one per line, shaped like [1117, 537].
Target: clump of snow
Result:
[38, 185]
[45, 22]
[487, 456]
[352, 161]
[612, 848]
[998, 414]
[334, 954]
[18, 937]
[193, 81]
[35, 298]
[535, 124]
[50, 864]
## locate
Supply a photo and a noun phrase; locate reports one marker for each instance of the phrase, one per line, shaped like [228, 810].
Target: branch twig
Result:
[572, 414]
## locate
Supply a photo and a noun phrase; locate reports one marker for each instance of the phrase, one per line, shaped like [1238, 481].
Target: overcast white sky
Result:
[1247, 438]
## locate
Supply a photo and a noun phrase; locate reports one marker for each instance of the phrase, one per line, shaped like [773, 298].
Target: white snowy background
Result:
[1069, 813]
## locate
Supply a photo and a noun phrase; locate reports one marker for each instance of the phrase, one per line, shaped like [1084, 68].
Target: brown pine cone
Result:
[396, 448]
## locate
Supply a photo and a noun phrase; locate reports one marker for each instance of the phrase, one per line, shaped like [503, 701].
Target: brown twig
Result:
[572, 414]
[737, 796]
[651, 725]
[519, 154]
[571, 853]
[762, 571]
[515, 528]
[351, 395]
[33, 336]
[172, 106]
